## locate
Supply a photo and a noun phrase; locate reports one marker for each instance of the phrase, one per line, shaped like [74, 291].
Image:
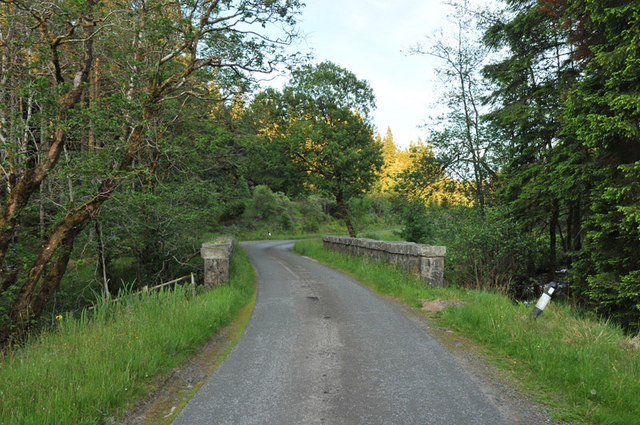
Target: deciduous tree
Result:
[150, 52]
[459, 138]
[329, 131]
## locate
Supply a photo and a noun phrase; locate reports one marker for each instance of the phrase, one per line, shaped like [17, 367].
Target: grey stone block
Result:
[217, 260]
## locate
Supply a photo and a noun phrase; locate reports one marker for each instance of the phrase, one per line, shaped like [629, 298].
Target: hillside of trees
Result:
[131, 130]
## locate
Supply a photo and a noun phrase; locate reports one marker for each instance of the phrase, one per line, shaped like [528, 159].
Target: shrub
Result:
[312, 208]
[264, 203]
[267, 205]
[233, 209]
[489, 251]
[483, 251]
[286, 222]
[417, 223]
[311, 225]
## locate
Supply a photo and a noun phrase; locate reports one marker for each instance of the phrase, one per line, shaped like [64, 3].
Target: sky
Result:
[370, 38]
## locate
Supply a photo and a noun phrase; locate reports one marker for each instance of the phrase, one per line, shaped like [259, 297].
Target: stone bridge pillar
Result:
[217, 259]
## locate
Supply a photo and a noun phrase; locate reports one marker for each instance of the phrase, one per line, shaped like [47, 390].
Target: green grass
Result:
[587, 369]
[91, 367]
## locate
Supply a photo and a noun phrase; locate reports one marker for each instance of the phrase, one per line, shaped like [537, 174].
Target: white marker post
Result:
[544, 300]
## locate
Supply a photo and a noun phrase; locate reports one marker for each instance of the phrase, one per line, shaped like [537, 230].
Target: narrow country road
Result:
[322, 349]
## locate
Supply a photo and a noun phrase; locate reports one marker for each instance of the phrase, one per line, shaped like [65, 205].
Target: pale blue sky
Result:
[367, 37]
[370, 38]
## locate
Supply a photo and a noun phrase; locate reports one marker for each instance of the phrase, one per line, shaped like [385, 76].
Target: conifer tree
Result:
[603, 114]
[528, 87]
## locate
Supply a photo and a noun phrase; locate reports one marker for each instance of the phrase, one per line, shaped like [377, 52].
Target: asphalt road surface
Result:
[322, 349]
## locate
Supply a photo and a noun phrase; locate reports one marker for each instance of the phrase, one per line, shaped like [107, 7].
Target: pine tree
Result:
[603, 114]
[529, 84]
[390, 158]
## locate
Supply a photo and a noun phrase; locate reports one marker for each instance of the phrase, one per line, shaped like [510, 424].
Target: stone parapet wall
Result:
[217, 261]
[427, 261]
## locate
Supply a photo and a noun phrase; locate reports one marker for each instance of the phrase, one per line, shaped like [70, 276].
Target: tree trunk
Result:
[20, 194]
[553, 224]
[345, 214]
[576, 241]
[102, 261]
[32, 298]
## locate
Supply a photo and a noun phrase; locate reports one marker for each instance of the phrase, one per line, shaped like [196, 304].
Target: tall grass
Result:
[587, 369]
[94, 365]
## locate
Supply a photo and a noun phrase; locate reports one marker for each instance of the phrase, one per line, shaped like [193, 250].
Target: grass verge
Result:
[587, 370]
[95, 365]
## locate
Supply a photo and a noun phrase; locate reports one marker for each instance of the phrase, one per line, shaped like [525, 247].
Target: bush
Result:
[615, 297]
[483, 251]
[267, 205]
[489, 251]
[233, 209]
[369, 211]
[417, 223]
[311, 225]
[361, 212]
[264, 203]
[286, 222]
[312, 208]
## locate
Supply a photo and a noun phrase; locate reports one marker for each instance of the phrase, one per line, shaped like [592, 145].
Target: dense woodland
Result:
[130, 130]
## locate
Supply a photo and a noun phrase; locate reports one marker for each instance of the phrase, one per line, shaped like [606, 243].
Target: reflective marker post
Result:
[544, 300]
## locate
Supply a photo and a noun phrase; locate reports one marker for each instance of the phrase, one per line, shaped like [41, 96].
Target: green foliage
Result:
[460, 137]
[316, 132]
[270, 155]
[313, 207]
[79, 289]
[237, 199]
[420, 179]
[417, 224]
[326, 88]
[121, 115]
[159, 228]
[270, 207]
[529, 84]
[329, 132]
[564, 105]
[600, 112]
[264, 203]
[484, 251]
[310, 226]
[286, 222]
[316, 135]
[367, 211]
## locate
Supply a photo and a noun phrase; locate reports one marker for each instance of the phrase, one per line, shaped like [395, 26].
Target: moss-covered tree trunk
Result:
[44, 276]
